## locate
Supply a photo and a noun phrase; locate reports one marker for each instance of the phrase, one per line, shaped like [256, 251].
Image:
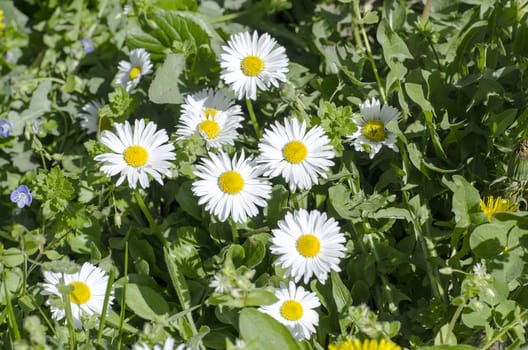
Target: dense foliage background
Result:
[457, 71]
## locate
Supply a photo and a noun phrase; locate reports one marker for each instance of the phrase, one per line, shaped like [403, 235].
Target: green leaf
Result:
[489, 240]
[466, 201]
[164, 87]
[145, 302]
[264, 332]
[393, 46]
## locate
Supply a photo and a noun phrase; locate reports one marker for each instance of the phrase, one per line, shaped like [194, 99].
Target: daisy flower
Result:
[136, 153]
[21, 196]
[372, 129]
[367, 344]
[212, 114]
[298, 155]
[231, 187]
[90, 117]
[130, 73]
[89, 289]
[308, 243]
[168, 345]
[250, 61]
[294, 309]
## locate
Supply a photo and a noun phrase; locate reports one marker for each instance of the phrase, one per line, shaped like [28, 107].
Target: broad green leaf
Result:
[262, 331]
[489, 240]
[466, 201]
[164, 87]
[392, 44]
[145, 302]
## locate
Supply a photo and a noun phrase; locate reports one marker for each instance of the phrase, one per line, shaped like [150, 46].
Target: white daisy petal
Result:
[130, 73]
[250, 61]
[230, 187]
[137, 153]
[89, 289]
[298, 155]
[295, 310]
[308, 244]
[90, 116]
[211, 114]
[372, 127]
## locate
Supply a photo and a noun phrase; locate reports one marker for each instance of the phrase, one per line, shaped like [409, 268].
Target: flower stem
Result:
[12, 319]
[69, 318]
[150, 219]
[457, 313]
[105, 306]
[357, 12]
[123, 298]
[254, 121]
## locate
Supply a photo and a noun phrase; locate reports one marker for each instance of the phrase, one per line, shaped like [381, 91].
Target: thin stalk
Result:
[150, 219]
[369, 50]
[228, 17]
[427, 10]
[123, 300]
[105, 306]
[503, 331]
[12, 319]
[69, 318]
[457, 313]
[254, 121]
[234, 230]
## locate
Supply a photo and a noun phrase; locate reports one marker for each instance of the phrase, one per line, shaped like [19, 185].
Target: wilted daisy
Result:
[231, 187]
[88, 294]
[90, 120]
[136, 153]
[168, 345]
[308, 243]
[250, 61]
[299, 156]
[21, 196]
[367, 344]
[372, 130]
[295, 310]
[213, 115]
[130, 73]
[494, 205]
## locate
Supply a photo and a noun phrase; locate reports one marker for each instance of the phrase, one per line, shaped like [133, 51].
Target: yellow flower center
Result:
[295, 152]
[136, 156]
[308, 245]
[210, 112]
[367, 344]
[231, 182]
[252, 66]
[291, 310]
[210, 128]
[134, 72]
[497, 205]
[81, 293]
[374, 130]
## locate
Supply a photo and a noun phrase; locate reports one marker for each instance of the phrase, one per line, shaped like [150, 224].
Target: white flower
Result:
[220, 283]
[136, 153]
[90, 117]
[308, 243]
[372, 129]
[231, 187]
[295, 310]
[130, 73]
[213, 115]
[169, 345]
[89, 289]
[250, 61]
[299, 156]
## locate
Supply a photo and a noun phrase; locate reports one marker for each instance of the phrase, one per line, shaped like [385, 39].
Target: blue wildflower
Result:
[87, 45]
[5, 127]
[21, 196]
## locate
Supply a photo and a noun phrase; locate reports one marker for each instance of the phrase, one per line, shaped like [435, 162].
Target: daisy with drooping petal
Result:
[90, 120]
[295, 310]
[250, 61]
[168, 345]
[308, 244]
[372, 130]
[130, 73]
[367, 344]
[299, 156]
[88, 294]
[212, 114]
[231, 187]
[136, 153]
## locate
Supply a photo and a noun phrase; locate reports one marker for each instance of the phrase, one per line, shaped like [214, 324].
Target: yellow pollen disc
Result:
[291, 310]
[374, 130]
[134, 72]
[308, 245]
[210, 128]
[295, 152]
[136, 156]
[81, 293]
[252, 66]
[210, 112]
[231, 182]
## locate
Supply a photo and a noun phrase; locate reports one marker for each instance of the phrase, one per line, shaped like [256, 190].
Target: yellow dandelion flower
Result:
[494, 205]
[368, 344]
